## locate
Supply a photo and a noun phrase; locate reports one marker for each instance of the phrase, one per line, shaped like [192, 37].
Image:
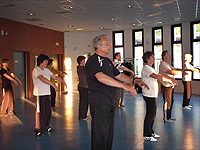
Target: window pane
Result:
[157, 55]
[118, 39]
[138, 37]
[177, 58]
[196, 60]
[121, 51]
[196, 29]
[177, 33]
[138, 62]
[158, 36]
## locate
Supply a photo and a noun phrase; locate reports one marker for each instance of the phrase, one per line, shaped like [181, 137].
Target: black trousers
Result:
[151, 105]
[53, 96]
[83, 102]
[168, 98]
[187, 93]
[43, 113]
[102, 128]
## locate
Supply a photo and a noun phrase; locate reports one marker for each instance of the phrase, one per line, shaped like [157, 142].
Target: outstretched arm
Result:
[10, 78]
[14, 76]
[59, 79]
[43, 79]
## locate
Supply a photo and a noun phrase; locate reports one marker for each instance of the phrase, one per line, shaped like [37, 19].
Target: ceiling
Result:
[96, 15]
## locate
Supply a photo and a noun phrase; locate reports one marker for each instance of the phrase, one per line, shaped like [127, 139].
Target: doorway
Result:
[20, 70]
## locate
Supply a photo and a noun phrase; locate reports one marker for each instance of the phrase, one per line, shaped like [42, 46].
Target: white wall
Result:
[83, 41]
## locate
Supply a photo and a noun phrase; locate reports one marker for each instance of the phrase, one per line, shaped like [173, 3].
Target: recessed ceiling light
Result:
[133, 24]
[70, 7]
[177, 19]
[70, 26]
[101, 28]
[31, 14]
[129, 6]
[113, 19]
[159, 22]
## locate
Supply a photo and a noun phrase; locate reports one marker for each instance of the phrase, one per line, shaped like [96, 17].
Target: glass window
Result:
[118, 43]
[196, 47]
[138, 50]
[157, 46]
[177, 48]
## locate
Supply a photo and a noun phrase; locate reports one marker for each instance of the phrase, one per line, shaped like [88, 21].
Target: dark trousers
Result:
[8, 100]
[53, 96]
[187, 93]
[168, 98]
[151, 105]
[83, 102]
[102, 127]
[43, 113]
[119, 96]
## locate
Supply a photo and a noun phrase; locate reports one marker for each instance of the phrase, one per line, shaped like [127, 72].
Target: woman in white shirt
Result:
[150, 77]
[187, 81]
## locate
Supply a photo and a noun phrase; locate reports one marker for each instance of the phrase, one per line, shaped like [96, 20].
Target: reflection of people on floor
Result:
[7, 106]
[187, 81]
[150, 77]
[102, 75]
[55, 72]
[167, 88]
[119, 91]
[41, 81]
[82, 88]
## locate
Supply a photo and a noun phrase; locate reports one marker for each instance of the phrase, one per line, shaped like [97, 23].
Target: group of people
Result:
[102, 85]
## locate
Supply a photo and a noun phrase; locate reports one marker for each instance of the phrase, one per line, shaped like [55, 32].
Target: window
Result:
[177, 48]
[118, 43]
[195, 50]
[157, 46]
[138, 50]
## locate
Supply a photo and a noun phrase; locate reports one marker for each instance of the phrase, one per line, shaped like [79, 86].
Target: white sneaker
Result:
[187, 108]
[151, 139]
[190, 106]
[168, 121]
[155, 135]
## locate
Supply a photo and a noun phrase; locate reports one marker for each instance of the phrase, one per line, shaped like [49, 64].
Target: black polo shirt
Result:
[99, 92]
[6, 83]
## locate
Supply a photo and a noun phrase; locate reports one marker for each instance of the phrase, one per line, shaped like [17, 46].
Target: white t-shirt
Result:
[164, 66]
[188, 77]
[41, 88]
[151, 82]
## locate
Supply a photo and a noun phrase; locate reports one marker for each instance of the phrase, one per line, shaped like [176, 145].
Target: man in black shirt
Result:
[8, 96]
[102, 75]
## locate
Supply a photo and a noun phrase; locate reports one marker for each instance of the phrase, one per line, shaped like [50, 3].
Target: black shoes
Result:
[50, 129]
[41, 133]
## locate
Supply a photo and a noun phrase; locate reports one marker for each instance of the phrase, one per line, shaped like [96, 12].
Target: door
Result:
[20, 72]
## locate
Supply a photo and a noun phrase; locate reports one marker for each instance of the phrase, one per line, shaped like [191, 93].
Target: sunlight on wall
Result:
[68, 80]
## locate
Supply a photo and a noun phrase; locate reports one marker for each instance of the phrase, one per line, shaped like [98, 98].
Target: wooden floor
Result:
[16, 131]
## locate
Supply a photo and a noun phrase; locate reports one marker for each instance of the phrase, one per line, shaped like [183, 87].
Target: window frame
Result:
[176, 42]
[153, 40]
[114, 46]
[193, 40]
[137, 45]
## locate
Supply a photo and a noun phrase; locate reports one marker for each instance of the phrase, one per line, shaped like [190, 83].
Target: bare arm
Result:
[43, 79]
[195, 69]
[126, 69]
[10, 78]
[103, 78]
[59, 79]
[162, 77]
[14, 76]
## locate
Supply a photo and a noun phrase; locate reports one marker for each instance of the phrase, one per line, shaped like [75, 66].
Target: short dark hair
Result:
[41, 58]
[164, 53]
[116, 54]
[80, 58]
[147, 55]
[4, 61]
[50, 61]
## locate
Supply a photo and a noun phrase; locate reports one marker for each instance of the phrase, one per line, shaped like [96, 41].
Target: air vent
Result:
[34, 19]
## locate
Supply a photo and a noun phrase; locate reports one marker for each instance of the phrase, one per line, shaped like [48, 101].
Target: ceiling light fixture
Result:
[70, 7]
[101, 28]
[113, 19]
[31, 14]
[159, 22]
[129, 6]
[80, 29]
[70, 26]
